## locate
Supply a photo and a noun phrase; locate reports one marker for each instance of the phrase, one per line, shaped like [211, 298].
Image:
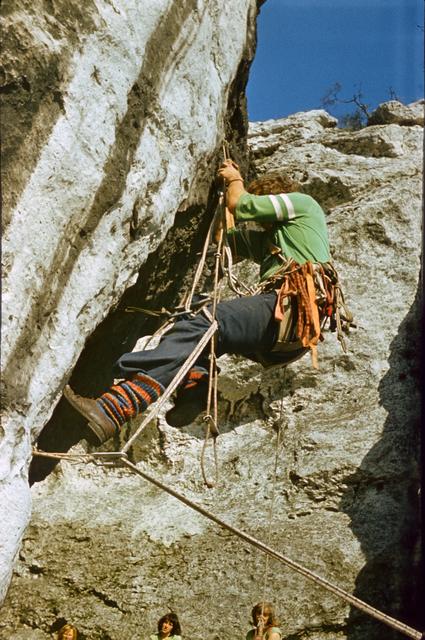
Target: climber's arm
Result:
[234, 183]
[230, 224]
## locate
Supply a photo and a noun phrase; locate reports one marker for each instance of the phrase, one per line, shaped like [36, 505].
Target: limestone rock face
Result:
[321, 465]
[114, 115]
[398, 113]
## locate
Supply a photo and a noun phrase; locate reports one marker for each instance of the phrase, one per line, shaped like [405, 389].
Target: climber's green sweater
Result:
[295, 224]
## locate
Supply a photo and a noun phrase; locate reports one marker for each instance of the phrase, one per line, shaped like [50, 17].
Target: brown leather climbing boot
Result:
[98, 422]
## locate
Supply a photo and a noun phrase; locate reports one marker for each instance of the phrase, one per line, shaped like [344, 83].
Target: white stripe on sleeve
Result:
[289, 205]
[277, 208]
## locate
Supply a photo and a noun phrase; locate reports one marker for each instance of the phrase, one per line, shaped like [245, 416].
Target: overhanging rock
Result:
[114, 117]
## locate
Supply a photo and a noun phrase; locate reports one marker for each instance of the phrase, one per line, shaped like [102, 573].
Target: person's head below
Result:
[169, 626]
[273, 183]
[68, 632]
[264, 612]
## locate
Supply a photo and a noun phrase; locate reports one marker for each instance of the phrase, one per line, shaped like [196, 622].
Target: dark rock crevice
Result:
[162, 280]
[167, 273]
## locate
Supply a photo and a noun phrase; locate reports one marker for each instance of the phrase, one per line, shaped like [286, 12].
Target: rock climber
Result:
[278, 325]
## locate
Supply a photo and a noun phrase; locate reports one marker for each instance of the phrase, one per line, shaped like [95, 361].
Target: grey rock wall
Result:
[114, 115]
[111, 553]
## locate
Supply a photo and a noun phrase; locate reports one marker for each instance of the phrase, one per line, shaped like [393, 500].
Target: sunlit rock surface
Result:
[111, 553]
[395, 111]
[114, 115]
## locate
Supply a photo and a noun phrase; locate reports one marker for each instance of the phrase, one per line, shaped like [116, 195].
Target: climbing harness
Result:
[120, 459]
[308, 296]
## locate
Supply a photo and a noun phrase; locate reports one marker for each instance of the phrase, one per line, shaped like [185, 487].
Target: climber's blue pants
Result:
[245, 326]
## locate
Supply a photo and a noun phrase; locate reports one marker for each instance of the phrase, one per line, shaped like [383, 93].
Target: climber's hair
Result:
[170, 617]
[65, 628]
[268, 609]
[272, 183]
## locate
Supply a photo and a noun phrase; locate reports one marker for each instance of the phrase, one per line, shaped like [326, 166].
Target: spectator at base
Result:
[68, 632]
[168, 627]
[265, 623]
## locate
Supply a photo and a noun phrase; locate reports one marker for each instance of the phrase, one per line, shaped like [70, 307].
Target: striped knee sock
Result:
[127, 399]
[194, 377]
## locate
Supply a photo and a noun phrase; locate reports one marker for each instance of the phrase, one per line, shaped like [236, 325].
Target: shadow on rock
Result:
[157, 286]
[382, 498]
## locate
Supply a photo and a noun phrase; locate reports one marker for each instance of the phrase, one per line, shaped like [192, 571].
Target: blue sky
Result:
[306, 46]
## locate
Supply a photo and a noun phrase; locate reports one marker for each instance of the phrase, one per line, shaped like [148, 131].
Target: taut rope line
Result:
[212, 395]
[121, 457]
[212, 428]
[190, 360]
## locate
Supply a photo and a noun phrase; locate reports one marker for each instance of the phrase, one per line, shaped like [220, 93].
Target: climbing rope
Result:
[272, 501]
[187, 306]
[175, 382]
[223, 262]
[178, 310]
[211, 421]
[120, 459]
